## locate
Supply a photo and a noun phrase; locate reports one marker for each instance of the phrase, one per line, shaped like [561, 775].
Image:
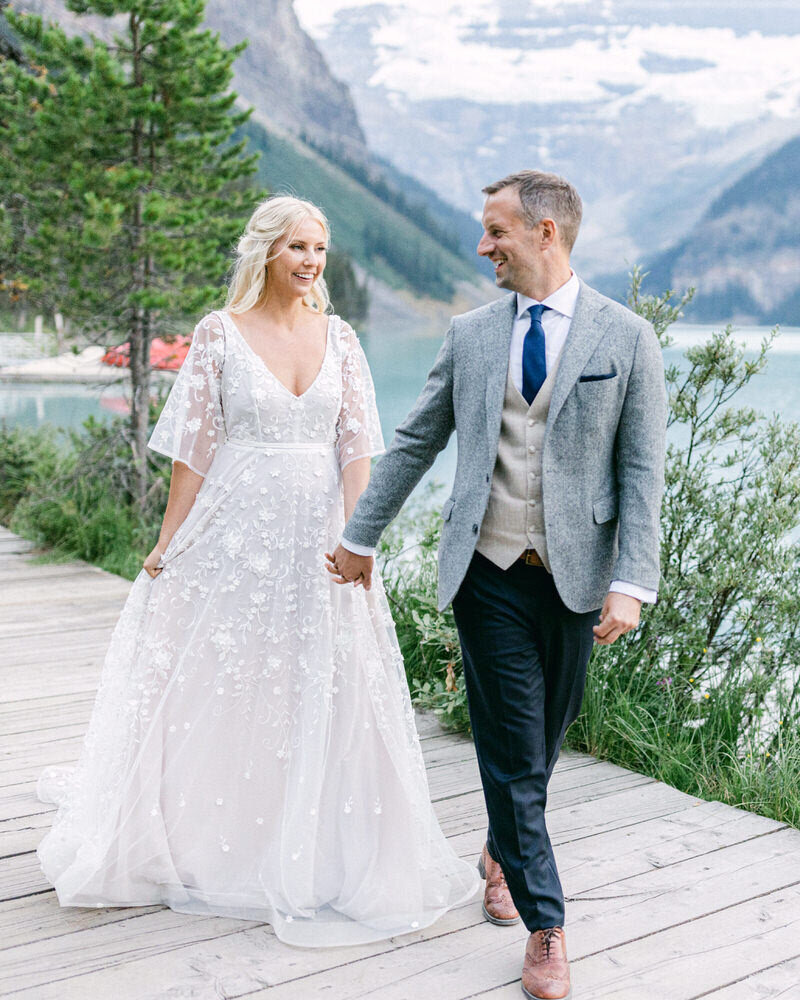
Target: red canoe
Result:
[163, 355]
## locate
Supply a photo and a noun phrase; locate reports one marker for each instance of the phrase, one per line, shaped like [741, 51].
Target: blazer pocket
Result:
[606, 508]
[447, 510]
[597, 378]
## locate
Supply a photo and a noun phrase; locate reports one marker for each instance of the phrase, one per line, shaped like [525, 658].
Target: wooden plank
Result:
[63, 617]
[35, 750]
[234, 965]
[696, 957]
[92, 583]
[62, 587]
[42, 701]
[26, 739]
[45, 712]
[27, 568]
[128, 940]
[15, 545]
[427, 724]
[22, 876]
[423, 969]
[580, 817]
[608, 856]
[780, 980]
[601, 779]
[38, 918]
[65, 680]
[21, 835]
[20, 805]
[89, 641]
[73, 728]
[574, 814]
[25, 778]
[482, 956]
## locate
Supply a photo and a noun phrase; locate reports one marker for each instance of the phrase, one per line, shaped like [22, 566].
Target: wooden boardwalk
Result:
[670, 898]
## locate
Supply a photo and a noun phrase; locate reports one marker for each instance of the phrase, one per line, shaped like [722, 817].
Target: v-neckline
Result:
[267, 368]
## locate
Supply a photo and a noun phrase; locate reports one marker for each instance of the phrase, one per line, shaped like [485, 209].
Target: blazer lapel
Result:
[585, 332]
[496, 343]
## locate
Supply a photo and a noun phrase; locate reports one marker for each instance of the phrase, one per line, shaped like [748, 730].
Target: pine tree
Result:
[122, 191]
[350, 298]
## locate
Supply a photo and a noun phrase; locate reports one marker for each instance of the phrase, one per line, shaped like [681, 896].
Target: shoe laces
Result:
[549, 934]
[545, 942]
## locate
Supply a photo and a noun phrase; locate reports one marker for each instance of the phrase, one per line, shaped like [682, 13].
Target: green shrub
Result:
[428, 638]
[79, 500]
[25, 456]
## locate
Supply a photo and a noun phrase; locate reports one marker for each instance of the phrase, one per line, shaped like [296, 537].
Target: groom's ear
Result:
[548, 233]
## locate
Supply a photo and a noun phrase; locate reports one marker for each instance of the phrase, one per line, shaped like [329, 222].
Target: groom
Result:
[550, 537]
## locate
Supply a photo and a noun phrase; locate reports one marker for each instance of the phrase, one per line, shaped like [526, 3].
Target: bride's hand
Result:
[150, 565]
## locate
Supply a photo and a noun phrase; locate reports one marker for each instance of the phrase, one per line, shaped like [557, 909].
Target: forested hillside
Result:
[744, 254]
[387, 241]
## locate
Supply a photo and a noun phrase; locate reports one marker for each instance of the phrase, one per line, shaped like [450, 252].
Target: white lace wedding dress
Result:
[252, 750]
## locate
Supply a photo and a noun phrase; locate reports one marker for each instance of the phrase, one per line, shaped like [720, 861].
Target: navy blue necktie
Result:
[534, 360]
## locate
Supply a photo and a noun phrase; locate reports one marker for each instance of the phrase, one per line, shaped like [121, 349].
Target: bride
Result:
[252, 750]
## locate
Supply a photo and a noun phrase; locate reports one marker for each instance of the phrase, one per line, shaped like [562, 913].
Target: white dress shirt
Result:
[556, 321]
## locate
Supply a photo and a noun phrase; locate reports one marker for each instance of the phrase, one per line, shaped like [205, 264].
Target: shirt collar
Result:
[562, 300]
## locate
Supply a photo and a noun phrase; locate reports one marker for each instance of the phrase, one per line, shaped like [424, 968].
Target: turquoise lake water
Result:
[399, 365]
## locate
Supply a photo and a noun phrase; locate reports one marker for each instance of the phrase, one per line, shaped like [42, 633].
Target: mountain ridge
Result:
[650, 108]
[743, 255]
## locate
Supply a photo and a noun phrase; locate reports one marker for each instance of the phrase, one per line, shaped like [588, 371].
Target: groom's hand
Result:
[620, 614]
[347, 567]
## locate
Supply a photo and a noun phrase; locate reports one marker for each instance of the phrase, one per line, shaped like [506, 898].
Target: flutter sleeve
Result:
[358, 429]
[192, 426]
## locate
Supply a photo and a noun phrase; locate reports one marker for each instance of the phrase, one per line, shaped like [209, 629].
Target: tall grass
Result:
[72, 492]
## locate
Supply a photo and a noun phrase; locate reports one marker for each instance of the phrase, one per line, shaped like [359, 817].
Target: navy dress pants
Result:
[525, 656]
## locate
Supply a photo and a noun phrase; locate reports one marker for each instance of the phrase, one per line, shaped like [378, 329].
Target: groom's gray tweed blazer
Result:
[603, 461]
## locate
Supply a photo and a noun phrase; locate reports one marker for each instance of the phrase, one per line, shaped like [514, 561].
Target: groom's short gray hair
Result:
[545, 196]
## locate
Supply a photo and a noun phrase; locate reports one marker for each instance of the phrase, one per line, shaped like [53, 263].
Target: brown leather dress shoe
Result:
[545, 973]
[498, 906]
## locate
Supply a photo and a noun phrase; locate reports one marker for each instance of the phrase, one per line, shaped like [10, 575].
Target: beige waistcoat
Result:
[514, 519]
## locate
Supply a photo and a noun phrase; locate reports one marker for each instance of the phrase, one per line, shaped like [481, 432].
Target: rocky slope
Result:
[284, 76]
[743, 256]
[281, 73]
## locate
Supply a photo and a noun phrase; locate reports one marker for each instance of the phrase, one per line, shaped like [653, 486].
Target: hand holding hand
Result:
[347, 567]
[620, 614]
[150, 565]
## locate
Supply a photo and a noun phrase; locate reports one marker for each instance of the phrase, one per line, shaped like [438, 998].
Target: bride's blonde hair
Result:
[275, 218]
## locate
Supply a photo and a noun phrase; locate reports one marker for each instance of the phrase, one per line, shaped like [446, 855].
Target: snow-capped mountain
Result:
[651, 108]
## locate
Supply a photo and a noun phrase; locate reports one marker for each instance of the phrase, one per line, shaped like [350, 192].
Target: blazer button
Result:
[474, 529]
[487, 477]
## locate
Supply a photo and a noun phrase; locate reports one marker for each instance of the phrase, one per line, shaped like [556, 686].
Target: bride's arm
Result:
[355, 476]
[183, 488]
